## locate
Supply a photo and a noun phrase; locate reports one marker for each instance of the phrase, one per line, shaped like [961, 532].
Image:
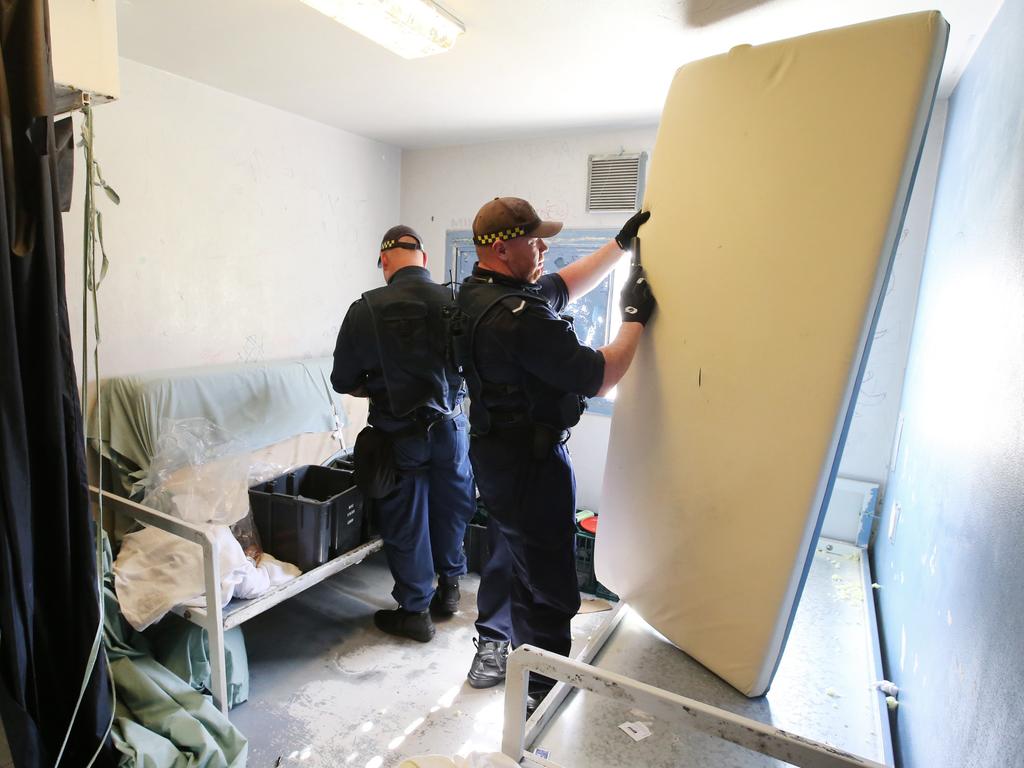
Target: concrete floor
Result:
[822, 689]
[329, 689]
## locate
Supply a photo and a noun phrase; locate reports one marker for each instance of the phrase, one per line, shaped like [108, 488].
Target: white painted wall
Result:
[443, 188]
[243, 233]
[873, 427]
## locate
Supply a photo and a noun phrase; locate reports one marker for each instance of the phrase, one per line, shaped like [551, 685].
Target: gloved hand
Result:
[630, 228]
[637, 301]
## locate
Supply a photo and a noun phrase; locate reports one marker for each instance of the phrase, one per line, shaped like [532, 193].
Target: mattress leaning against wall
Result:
[779, 183]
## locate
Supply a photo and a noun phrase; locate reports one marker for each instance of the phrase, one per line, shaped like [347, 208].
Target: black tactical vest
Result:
[476, 298]
[410, 320]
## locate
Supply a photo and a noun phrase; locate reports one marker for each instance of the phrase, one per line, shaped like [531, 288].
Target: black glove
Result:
[630, 228]
[637, 299]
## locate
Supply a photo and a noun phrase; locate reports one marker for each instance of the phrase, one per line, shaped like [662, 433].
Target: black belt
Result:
[437, 416]
[509, 419]
[519, 427]
[422, 425]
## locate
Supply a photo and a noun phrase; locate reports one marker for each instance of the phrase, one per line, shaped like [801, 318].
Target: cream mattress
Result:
[778, 185]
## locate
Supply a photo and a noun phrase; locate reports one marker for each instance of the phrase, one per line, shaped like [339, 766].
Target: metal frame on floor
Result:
[521, 734]
[671, 707]
[215, 618]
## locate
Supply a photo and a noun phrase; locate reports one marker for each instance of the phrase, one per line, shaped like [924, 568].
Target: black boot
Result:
[537, 691]
[488, 667]
[445, 601]
[533, 700]
[416, 626]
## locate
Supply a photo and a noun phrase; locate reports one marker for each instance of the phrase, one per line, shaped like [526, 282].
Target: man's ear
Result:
[384, 260]
[500, 250]
[424, 257]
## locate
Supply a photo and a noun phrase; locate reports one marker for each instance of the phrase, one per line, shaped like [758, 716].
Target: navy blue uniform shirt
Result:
[533, 342]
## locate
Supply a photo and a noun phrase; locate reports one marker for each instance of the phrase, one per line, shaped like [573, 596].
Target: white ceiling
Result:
[523, 67]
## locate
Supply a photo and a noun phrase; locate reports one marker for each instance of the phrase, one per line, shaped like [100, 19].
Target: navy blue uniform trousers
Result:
[423, 521]
[528, 590]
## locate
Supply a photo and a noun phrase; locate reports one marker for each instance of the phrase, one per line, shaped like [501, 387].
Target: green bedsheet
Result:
[160, 721]
[256, 403]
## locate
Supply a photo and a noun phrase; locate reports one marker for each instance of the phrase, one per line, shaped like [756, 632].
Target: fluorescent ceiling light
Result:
[410, 28]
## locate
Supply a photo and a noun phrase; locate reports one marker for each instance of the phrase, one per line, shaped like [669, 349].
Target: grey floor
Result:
[822, 689]
[329, 689]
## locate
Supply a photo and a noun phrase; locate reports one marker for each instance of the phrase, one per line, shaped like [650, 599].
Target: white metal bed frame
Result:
[520, 734]
[215, 618]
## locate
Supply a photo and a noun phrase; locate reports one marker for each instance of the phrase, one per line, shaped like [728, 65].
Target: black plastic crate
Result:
[369, 528]
[346, 518]
[585, 567]
[308, 515]
[345, 461]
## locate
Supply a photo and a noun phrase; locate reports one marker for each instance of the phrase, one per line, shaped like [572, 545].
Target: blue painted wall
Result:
[952, 597]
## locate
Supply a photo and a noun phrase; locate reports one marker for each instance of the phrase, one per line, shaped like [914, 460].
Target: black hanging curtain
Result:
[48, 606]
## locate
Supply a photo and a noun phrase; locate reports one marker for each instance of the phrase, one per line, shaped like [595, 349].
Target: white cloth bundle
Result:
[156, 570]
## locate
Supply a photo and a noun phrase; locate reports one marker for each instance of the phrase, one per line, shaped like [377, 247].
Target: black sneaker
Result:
[445, 601]
[415, 626]
[488, 667]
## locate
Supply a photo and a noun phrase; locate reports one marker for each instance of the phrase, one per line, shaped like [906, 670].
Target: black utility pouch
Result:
[375, 472]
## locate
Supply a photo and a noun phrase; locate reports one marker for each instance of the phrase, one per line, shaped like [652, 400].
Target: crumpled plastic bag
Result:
[201, 473]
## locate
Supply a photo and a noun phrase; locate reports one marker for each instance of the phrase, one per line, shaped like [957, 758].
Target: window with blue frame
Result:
[590, 313]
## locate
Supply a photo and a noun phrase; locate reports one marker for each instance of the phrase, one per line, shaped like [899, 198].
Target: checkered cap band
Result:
[391, 238]
[389, 244]
[503, 234]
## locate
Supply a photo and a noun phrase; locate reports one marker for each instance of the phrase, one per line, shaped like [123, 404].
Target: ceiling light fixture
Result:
[410, 28]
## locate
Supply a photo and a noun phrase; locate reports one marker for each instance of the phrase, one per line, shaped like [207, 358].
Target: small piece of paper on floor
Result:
[635, 731]
[594, 605]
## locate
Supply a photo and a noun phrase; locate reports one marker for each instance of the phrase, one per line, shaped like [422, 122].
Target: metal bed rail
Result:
[215, 618]
[670, 707]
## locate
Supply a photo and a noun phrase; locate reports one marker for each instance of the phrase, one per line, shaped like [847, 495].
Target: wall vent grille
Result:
[615, 182]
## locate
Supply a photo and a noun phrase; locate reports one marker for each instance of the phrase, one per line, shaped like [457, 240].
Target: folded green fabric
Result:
[184, 649]
[160, 721]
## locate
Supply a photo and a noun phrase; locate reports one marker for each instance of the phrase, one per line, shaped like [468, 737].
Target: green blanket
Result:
[160, 721]
[184, 649]
[256, 403]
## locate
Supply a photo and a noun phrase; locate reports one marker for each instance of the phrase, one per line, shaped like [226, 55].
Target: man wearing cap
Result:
[392, 348]
[527, 375]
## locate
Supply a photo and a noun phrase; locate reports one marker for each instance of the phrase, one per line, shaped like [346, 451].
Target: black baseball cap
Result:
[391, 237]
